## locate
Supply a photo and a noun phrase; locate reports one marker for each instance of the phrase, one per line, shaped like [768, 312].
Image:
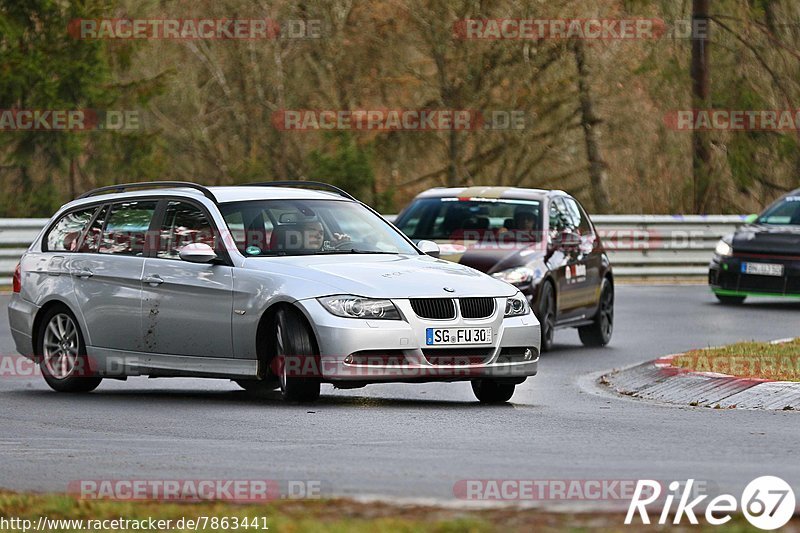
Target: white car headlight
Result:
[517, 305]
[349, 306]
[515, 275]
[723, 249]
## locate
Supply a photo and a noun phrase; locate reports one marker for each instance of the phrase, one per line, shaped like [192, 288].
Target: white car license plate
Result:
[436, 336]
[762, 269]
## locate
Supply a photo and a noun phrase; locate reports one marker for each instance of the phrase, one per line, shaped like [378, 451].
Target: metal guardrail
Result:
[640, 246]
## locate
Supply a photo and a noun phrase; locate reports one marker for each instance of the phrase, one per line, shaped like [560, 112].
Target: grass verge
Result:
[762, 360]
[334, 515]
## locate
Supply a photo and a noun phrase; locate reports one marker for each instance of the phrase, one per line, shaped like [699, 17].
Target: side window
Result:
[578, 217]
[95, 232]
[126, 228]
[559, 220]
[183, 224]
[65, 234]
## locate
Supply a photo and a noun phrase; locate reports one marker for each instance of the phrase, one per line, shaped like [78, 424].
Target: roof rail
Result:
[150, 184]
[298, 183]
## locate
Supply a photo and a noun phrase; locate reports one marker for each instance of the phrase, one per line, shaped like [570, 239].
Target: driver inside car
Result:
[313, 237]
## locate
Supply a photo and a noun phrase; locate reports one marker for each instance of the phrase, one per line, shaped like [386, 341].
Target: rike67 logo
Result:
[767, 502]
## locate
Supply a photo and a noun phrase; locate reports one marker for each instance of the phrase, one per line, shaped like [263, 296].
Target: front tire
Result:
[491, 391]
[725, 299]
[293, 340]
[64, 364]
[599, 332]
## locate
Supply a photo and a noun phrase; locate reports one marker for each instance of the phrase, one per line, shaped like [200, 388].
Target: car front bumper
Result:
[365, 351]
[725, 276]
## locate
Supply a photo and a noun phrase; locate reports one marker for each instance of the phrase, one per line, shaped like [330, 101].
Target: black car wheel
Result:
[490, 391]
[293, 340]
[599, 332]
[730, 300]
[64, 363]
[547, 316]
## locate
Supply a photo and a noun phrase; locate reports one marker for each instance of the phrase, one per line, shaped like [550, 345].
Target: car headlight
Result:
[349, 306]
[515, 275]
[723, 249]
[517, 305]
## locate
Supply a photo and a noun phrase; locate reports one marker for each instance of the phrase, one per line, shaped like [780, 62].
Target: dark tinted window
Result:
[559, 217]
[126, 228]
[785, 212]
[470, 219]
[577, 216]
[65, 234]
[183, 224]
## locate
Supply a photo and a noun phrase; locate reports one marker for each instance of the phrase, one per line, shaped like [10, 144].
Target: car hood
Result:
[767, 239]
[492, 258]
[383, 276]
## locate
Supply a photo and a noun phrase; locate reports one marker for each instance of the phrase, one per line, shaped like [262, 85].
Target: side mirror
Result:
[429, 248]
[197, 252]
[750, 219]
[566, 240]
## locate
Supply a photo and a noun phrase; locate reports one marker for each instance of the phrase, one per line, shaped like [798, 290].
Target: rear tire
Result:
[730, 300]
[292, 338]
[64, 364]
[491, 391]
[547, 316]
[599, 332]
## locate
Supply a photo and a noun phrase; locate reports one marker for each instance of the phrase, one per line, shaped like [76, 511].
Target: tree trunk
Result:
[700, 71]
[598, 169]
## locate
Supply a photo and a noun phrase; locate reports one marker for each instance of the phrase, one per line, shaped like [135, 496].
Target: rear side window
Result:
[126, 228]
[66, 233]
[184, 224]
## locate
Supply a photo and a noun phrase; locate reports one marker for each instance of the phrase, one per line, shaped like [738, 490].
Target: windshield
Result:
[785, 212]
[472, 219]
[310, 227]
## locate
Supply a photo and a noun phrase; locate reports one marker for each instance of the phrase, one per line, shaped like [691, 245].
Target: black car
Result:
[543, 242]
[762, 258]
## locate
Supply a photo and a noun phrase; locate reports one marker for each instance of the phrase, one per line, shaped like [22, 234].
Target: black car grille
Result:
[434, 308]
[476, 307]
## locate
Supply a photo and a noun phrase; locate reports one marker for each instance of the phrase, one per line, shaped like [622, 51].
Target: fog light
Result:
[348, 360]
[528, 354]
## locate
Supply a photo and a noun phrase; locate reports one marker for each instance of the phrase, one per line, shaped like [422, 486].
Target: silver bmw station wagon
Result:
[275, 285]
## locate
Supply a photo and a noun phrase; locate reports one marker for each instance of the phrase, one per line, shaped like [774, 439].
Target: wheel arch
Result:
[264, 340]
[43, 310]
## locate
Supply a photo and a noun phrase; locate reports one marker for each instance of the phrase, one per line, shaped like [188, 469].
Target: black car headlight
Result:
[724, 248]
[515, 276]
[517, 305]
[349, 306]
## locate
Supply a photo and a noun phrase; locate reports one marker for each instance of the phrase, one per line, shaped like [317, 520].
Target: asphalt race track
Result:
[417, 441]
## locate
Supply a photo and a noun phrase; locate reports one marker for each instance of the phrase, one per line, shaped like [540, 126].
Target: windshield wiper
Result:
[357, 251]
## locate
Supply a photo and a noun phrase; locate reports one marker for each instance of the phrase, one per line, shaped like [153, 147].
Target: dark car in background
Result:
[540, 241]
[763, 257]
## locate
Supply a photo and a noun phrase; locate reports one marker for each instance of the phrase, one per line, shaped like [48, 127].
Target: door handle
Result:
[83, 273]
[154, 279]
